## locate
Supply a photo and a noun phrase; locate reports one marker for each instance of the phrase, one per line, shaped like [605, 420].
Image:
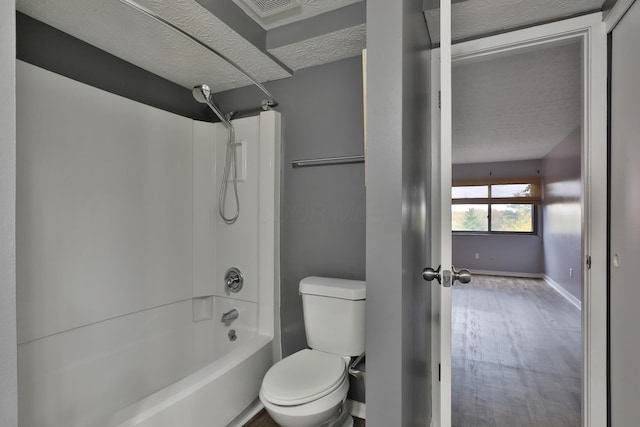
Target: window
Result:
[495, 206]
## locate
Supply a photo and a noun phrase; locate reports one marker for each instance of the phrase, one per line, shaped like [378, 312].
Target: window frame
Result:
[534, 200]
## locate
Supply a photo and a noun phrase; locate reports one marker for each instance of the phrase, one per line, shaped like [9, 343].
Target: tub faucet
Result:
[229, 316]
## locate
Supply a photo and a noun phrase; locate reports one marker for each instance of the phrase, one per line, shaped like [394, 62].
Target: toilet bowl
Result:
[309, 388]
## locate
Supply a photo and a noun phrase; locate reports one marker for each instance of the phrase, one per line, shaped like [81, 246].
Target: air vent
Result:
[265, 8]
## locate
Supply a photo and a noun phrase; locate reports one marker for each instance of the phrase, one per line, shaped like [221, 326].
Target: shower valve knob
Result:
[233, 280]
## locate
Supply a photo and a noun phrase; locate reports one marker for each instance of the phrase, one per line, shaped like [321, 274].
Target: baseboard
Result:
[508, 274]
[357, 409]
[562, 291]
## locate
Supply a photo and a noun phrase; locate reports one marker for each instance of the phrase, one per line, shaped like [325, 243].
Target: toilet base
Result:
[342, 419]
[345, 417]
[348, 422]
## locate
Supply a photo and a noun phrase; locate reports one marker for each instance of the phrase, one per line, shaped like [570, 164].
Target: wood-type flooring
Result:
[516, 355]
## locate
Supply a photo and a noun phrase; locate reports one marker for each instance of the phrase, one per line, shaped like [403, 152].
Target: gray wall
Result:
[8, 363]
[499, 253]
[562, 235]
[398, 300]
[322, 208]
[518, 168]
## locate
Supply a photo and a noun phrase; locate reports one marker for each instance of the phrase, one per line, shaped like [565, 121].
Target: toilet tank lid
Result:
[335, 288]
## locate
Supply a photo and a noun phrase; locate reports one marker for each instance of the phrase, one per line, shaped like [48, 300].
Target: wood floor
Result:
[264, 420]
[516, 356]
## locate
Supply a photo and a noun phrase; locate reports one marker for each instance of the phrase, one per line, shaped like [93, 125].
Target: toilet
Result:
[309, 388]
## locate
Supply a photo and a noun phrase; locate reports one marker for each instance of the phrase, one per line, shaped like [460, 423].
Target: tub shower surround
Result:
[121, 260]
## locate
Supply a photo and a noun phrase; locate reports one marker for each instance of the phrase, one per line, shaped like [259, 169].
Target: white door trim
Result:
[616, 13]
[591, 32]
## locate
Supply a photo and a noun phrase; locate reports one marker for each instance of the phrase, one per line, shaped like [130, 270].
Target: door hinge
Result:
[588, 262]
[438, 372]
[440, 99]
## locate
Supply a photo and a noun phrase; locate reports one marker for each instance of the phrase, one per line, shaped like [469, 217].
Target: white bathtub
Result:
[212, 396]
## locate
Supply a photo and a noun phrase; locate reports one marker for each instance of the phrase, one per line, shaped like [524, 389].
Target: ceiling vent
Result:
[266, 8]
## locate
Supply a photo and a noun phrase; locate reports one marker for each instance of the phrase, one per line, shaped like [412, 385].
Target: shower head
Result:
[202, 93]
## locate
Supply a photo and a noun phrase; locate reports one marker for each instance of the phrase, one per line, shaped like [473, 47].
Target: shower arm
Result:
[266, 103]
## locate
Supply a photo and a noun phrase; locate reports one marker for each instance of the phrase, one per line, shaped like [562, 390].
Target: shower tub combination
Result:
[224, 392]
[122, 256]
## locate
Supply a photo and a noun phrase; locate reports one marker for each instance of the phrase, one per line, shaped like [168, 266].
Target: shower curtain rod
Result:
[266, 103]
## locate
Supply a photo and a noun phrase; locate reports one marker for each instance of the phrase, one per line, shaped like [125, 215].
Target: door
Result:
[440, 224]
[624, 334]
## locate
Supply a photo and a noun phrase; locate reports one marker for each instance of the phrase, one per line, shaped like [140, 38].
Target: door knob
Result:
[463, 275]
[449, 277]
[429, 274]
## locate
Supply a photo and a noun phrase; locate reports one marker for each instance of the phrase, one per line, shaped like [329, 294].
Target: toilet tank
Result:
[334, 314]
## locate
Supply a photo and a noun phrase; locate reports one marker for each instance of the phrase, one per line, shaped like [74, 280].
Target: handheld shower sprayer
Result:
[202, 94]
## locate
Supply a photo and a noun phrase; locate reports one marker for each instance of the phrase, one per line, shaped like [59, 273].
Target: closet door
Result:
[625, 221]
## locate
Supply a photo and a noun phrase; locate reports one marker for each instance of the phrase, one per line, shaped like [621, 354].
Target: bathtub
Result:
[213, 396]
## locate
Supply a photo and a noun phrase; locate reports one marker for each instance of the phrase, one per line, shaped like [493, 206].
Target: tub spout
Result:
[230, 315]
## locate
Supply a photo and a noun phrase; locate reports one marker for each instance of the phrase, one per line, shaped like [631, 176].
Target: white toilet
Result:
[309, 388]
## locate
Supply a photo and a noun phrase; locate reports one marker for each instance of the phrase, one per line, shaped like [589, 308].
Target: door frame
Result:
[590, 31]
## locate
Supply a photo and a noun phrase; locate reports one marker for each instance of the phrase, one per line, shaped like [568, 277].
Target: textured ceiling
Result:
[472, 18]
[516, 107]
[307, 9]
[129, 35]
[323, 49]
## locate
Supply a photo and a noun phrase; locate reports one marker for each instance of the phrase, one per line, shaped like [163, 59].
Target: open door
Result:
[439, 270]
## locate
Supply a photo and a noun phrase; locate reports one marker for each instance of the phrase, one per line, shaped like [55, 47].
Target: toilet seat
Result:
[303, 377]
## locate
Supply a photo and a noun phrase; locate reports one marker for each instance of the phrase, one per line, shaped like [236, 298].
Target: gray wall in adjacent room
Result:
[8, 340]
[562, 193]
[508, 253]
[322, 207]
[517, 169]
